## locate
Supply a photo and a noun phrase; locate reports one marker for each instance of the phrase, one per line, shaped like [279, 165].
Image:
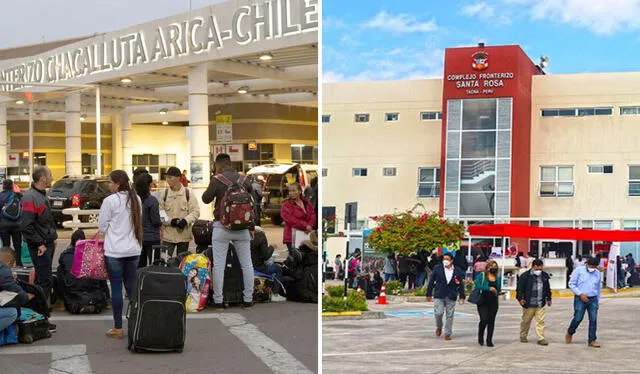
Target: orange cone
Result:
[382, 299]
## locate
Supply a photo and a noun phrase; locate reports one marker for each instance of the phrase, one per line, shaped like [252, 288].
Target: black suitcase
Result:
[31, 331]
[202, 231]
[157, 314]
[233, 282]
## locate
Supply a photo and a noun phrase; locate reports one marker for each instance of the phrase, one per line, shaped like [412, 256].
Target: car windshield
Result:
[63, 185]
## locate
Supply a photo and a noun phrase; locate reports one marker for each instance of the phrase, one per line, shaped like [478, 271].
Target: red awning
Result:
[534, 232]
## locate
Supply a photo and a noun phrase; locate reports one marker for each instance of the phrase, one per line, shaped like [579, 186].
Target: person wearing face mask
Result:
[585, 284]
[448, 282]
[534, 293]
[490, 284]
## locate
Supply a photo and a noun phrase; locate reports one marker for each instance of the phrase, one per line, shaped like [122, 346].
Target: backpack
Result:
[236, 205]
[12, 209]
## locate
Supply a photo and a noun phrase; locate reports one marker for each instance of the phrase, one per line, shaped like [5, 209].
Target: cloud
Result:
[399, 23]
[333, 23]
[486, 13]
[331, 77]
[600, 17]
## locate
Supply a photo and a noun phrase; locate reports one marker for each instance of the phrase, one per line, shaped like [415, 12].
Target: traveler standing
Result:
[534, 293]
[297, 213]
[9, 224]
[586, 282]
[257, 186]
[120, 221]
[181, 210]
[224, 178]
[38, 227]
[151, 222]
[490, 284]
[390, 268]
[339, 267]
[448, 282]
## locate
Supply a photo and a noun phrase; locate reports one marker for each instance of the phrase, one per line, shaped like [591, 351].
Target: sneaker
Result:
[438, 332]
[52, 328]
[568, 338]
[278, 298]
[523, 340]
[218, 307]
[247, 305]
[543, 342]
[116, 333]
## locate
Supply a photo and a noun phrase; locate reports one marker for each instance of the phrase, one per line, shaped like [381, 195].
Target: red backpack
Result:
[236, 205]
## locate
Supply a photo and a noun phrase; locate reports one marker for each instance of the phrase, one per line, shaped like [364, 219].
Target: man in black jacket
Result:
[38, 227]
[448, 282]
[533, 293]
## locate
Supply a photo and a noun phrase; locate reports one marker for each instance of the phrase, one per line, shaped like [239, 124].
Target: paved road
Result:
[274, 337]
[407, 343]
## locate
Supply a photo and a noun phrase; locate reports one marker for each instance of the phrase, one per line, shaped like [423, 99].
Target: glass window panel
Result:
[567, 112]
[426, 175]
[547, 189]
[477, 175]
[629, 110]
[596, 169]
[630, 225]
[307, 153]
[478, 114]
[389, 172]
[479, 144]
[326, 118]
[477, 204]
[565, 189]
[549, 112]
[634, 189]
[438, 175]
[607, 169]
[548, 173]
[565, 173]
[154, 160]
[586, 112]
[604, 111]
[153, 169]
[634, 172]
[391, 117]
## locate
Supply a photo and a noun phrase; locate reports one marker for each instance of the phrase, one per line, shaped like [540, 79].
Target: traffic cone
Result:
[382, 299]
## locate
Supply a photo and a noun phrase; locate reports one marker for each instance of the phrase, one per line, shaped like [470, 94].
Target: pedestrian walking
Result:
[120, 221]
[225, 178]
[585, 284]
[390, 267]
[38, 227]
[181, 211]
[534, 293]
[297, 214]
[448, 282]
[151, 222]
[490, 285]
[10, 219]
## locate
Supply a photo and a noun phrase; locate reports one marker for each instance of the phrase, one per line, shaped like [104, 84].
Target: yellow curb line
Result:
[333, 314]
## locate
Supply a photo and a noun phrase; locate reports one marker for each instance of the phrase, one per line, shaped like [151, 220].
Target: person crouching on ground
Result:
[9, 312]
[490, 284]
[533, 293]
[448, 282]
[585, 283]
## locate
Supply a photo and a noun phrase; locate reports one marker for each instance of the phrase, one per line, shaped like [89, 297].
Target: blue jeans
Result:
[7, 317]
[422, 277]
[579, 308]
[121, 270]
[388, 276]
[275, 270]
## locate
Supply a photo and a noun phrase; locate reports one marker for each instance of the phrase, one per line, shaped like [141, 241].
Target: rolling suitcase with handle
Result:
[157, 314]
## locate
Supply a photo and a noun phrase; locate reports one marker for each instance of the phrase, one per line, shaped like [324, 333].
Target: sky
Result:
[367, 40]
[27, 22]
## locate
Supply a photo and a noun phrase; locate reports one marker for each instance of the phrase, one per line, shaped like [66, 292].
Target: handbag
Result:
[476, 295]
[88, 259]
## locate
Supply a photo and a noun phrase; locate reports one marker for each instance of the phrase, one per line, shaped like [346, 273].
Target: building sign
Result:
[483, 83]
[236, 152]
[480, 61]
[252, 146]
[13, 160]
[224, 129]
[209, 32]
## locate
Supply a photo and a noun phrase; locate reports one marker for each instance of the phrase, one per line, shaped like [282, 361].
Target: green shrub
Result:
[335, 291]
[357, 302]
[468, 287]
[422, 291]
[333, 304]
[394, 287]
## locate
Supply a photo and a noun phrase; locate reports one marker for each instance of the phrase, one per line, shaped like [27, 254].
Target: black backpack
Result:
[12, 209]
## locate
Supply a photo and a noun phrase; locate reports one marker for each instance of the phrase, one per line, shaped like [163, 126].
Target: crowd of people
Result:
[135, 222]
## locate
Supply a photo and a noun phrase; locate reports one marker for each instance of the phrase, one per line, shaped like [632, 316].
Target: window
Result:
[90, 163]
[629, 110]
[391, 117]
[634, 180]
[155, 164]
[326, 118]
[389, 172]
[428, 182]
[325, 172]
[430, 116]
[362, 117]
[579, 112]
[556, 181]
[359, 172]
[600, 169]
[307, 154]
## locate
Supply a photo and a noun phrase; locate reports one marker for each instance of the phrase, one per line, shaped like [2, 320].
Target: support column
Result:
[199, 139]
[3, 138]
[126, 144]
[116, 142]
[73, 139]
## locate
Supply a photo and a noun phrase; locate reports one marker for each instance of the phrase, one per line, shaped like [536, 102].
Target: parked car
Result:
[84, 192]
[277, 177]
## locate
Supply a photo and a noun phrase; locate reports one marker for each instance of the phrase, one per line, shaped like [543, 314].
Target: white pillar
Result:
[199, 137]
[116, 143]
[126, 144]
[3, 138]
[73, 131]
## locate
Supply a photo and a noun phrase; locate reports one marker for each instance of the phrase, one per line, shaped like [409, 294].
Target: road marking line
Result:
[278, 359]
[387, 352]
[109, 317]
[68, 359]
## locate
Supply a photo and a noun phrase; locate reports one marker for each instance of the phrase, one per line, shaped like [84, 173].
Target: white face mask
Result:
[537, 272]
[446, 262]
[591, 270]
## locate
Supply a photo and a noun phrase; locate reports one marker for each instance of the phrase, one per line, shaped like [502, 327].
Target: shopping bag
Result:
[88, 259]
[299, 236]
